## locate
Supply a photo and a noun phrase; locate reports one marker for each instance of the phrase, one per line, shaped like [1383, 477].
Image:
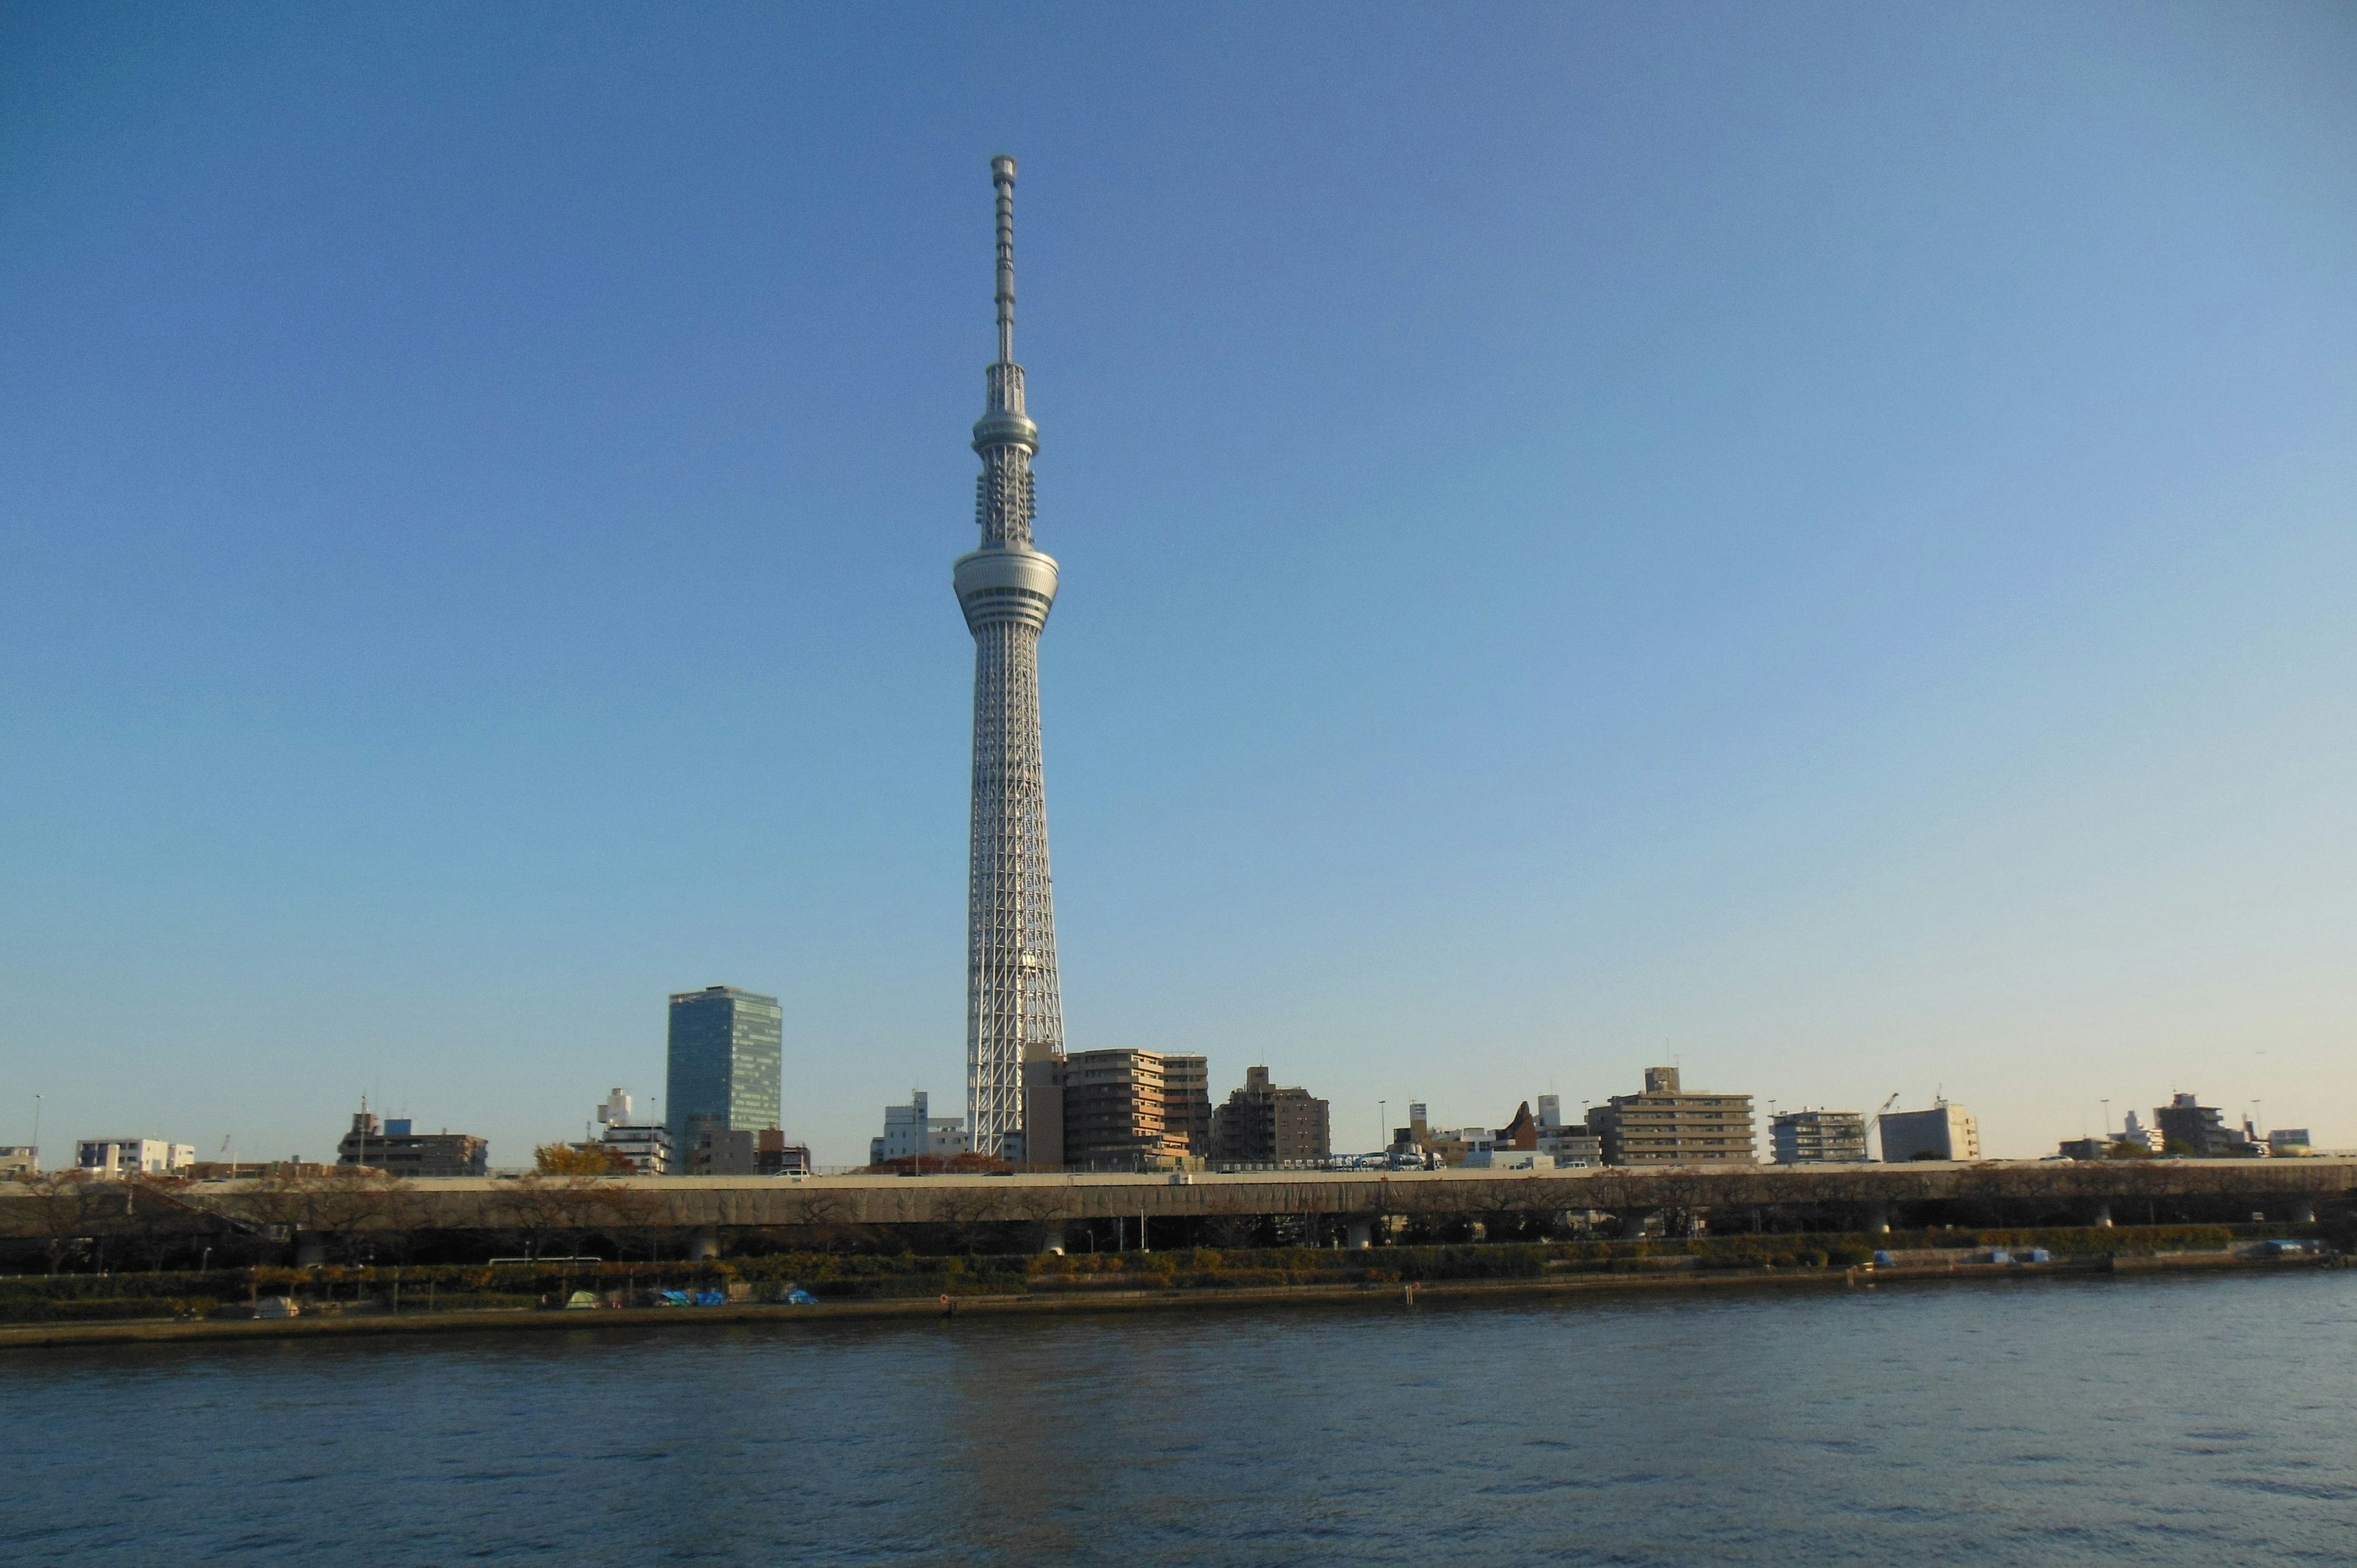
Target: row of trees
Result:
[571, 1205]
[341, 1215]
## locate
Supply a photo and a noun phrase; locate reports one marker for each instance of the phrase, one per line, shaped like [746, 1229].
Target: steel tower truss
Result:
[1007, 588]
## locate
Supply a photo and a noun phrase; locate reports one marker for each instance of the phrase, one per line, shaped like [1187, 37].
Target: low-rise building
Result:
[772, 1155]
[394, 1146]
[1569, 1146]
[1509, 1159]
[112, 1158]
[1263, 1123]
[1945, 1131]
[1817, 1137]
[1415, 1138]
[253, 1170]
[646, 1144]
[1455, 1147]
[18, 1161]
[737, 1151]
[912, 1132]
[1666, 1124]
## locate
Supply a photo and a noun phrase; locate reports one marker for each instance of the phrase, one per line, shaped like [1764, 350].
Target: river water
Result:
[2155, 1421]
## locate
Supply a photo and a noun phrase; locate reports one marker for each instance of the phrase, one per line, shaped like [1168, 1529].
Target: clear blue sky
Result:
[1816, 542]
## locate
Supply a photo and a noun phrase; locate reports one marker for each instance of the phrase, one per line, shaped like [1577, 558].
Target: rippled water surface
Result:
[2161, 1421]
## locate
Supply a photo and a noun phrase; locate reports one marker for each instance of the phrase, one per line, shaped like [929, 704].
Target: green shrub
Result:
[90, 1308]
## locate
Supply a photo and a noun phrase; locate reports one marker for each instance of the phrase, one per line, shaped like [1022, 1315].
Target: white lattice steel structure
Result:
[1007, 588]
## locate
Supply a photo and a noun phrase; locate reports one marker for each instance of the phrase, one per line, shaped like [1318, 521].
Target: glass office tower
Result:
[726, 1068]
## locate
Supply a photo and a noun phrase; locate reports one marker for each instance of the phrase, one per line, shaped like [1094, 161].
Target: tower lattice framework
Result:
[1007, 588]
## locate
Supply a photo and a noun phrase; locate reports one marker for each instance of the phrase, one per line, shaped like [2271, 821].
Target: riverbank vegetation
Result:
[852, 1276]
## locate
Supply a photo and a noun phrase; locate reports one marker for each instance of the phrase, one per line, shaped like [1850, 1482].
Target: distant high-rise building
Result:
[1668, 1125]
[1014, 1001]
[1945, 1131]
[1817, 1137]
[1262, 1123]
[726, 1065]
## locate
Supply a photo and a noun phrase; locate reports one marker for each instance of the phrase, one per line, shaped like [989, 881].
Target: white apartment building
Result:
[910, 1131]
[646, 1144]
[110, 1157]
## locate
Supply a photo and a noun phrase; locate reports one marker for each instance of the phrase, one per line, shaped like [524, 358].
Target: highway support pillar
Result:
[1358, 1234]
[703, 1243]
[2103, 1220]
[1877, 1220]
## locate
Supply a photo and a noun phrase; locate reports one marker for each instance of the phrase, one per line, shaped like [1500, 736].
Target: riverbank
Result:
[1916, 1271]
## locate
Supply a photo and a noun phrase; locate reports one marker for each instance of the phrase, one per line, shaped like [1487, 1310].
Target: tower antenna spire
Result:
[1002, 175]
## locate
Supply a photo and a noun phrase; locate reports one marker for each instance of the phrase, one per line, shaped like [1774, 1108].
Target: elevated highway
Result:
[700, 1214]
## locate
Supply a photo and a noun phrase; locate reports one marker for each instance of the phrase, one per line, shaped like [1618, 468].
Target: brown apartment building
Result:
[1668, 1125]
[1116, 1110]
[1265, 1124]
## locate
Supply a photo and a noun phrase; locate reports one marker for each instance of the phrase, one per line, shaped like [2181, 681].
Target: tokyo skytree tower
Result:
[1006, 588]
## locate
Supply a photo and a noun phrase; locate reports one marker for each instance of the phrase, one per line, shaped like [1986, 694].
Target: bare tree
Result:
[536, 1207]
[62, 1208]
[335, 1207]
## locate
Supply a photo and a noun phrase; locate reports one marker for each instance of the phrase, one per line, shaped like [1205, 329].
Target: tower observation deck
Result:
[1006, 587]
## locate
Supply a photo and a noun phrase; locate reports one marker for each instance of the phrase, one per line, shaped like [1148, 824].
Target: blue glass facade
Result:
[726, 1063]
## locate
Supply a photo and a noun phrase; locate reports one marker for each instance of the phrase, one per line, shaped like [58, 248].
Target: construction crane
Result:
[1878, 1121]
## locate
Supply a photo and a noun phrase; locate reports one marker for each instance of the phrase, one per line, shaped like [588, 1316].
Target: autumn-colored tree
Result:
[580, 1159]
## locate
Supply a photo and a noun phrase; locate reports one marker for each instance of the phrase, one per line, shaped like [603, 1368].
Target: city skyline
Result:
[1809, 547]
